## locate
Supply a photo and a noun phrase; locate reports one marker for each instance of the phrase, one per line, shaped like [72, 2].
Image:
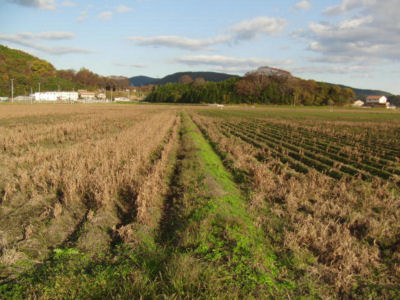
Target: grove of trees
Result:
[253, 88]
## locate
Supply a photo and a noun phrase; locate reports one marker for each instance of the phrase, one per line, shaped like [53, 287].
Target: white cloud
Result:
[331, 69]
[349, 5]
[137, 66]
[49, 35]
[106, 15]
[178, 42]
[369, 32]
[245, 30]
[355, 23]
[227, 63]
[302, 5]
[41, 4]
[68, 4]
[249, 29]
[123, 9]
[29, 40]
[83, 16]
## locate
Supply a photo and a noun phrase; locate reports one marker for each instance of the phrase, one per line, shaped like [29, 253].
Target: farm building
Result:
[83, 94]
[101, 96]
[56, 96]
[358, 103]
[124, 99]
[376, 101]
[24, 98]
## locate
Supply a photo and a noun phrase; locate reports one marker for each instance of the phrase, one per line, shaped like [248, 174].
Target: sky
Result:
[351, 42]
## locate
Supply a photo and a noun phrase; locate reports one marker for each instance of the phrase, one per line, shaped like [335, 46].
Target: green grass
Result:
[229, 237]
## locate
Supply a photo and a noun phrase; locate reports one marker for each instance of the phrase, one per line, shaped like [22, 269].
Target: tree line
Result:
[254, 88]
[394, 100]
[87, 78]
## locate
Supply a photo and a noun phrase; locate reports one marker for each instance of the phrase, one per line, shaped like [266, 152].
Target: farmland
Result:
[163, 201]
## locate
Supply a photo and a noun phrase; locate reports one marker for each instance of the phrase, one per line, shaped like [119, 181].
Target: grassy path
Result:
[208, 228]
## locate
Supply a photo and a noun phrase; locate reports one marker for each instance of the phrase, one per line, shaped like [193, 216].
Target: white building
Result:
[124, 99]
[376, 99]
[358, 103]
[56, 96]
[101, 96]
[87, 95]
[24, 98]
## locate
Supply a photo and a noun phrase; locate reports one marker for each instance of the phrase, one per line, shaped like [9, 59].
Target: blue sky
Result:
[352, 42]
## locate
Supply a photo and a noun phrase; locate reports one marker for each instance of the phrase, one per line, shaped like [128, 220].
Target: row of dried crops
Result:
[80, 179]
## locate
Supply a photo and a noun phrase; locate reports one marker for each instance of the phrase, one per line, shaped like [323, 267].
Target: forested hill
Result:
[142, 80]
[207, 76]
[177, 77]
[263, 88]
[363, 93]
[28, 71]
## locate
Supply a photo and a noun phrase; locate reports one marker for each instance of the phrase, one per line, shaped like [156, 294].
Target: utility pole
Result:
[39, 87]
[111, 94]
[12, 90]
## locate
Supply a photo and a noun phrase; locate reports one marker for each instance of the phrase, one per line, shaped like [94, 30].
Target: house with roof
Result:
[376, 101]
[84, 94]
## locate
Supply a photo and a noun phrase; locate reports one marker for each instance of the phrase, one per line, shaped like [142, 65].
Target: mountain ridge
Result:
[363, 93]
[174, 78]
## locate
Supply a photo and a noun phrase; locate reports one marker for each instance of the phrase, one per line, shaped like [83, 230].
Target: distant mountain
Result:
[208, 76]
[174, 78]
[142, 80]
[363, 93]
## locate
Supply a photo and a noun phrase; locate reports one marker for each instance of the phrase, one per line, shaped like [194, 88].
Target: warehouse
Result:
[56, 96]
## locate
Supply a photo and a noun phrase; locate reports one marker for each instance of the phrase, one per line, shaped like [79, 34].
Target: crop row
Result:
[363, 155]
[19, 140]
[294, 159]
[320, 161]
[82, 196]
[387, 154]
[371, 167]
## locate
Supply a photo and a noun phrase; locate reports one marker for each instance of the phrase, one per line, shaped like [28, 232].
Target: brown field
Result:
[193, 202]
[59, 168]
